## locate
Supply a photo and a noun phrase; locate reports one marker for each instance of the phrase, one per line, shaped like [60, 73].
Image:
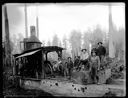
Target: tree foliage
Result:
[48, 43]
[55, 40]
[60, 44]
[87, 39]
[64, 41]
[15, 43]
[93, 37]
[75, 40]
[120, 42]
[65, 53]
[97, 36]
[43, 42]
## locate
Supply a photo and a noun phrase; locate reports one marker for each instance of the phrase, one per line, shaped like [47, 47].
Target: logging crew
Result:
[101, 51]
[69, 66]
[94, 66]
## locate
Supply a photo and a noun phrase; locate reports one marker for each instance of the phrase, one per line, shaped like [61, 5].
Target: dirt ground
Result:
[20, 92]
[13, 91]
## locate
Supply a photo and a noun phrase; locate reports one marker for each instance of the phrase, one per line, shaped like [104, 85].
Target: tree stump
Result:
[104, 75]
[81, 77]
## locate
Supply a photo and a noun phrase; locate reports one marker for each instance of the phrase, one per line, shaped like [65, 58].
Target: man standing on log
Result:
[94, 66]
[101, 51]
[77, 62]
[84, 57]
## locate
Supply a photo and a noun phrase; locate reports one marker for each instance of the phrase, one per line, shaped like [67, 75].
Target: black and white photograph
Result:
[64, 49]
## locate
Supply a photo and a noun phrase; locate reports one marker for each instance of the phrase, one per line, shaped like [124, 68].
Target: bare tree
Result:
[55, 40]
[16, 39]
[64, 41]
[49, 43]
[7, 38]
[75, 40]
[60, 44]
[97, 36]
[87, 39]
[65, 53]
[43, 42]
[120, 43]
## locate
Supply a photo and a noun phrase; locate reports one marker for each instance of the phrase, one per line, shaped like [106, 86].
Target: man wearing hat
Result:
[101, 51]
[84, 57]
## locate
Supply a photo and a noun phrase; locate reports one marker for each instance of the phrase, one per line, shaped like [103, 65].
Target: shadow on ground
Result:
[20, 92]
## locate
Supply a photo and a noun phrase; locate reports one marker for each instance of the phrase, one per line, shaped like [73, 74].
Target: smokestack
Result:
[26, 27]
[37, 27]
[32, 31]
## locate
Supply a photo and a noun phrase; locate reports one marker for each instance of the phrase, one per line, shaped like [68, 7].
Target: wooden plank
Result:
[34, 79]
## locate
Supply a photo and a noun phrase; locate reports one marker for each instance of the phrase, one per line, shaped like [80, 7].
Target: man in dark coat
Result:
[101, 51]
[76, 62]
[69, 66]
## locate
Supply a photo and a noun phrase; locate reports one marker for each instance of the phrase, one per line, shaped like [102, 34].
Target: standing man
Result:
[101, 51]
[94, 66]
[84, 57]
[65, 69]
[76, 62]
[69, 66]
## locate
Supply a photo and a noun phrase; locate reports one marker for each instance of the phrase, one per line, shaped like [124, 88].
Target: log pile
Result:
[81, 77]
[118, 69]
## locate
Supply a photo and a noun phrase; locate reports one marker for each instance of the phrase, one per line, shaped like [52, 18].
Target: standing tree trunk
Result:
[111, 35]
[7, 39]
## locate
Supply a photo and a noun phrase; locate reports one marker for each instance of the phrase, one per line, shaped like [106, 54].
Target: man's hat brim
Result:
[84, 49]
[69, 57]
[99, 42]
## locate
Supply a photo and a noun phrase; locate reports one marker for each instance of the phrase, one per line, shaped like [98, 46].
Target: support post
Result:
[14, 67]
[42, 63]
[46, 56]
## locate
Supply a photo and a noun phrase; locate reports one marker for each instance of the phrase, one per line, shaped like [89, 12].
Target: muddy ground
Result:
[20, 92]
[11, 90]
[16, 91]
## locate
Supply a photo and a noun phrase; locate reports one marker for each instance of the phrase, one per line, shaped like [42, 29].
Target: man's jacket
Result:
[101, 51]
[70, 64]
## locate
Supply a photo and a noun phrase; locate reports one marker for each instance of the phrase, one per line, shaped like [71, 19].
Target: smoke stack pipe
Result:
[26, 24]
[32, 31]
